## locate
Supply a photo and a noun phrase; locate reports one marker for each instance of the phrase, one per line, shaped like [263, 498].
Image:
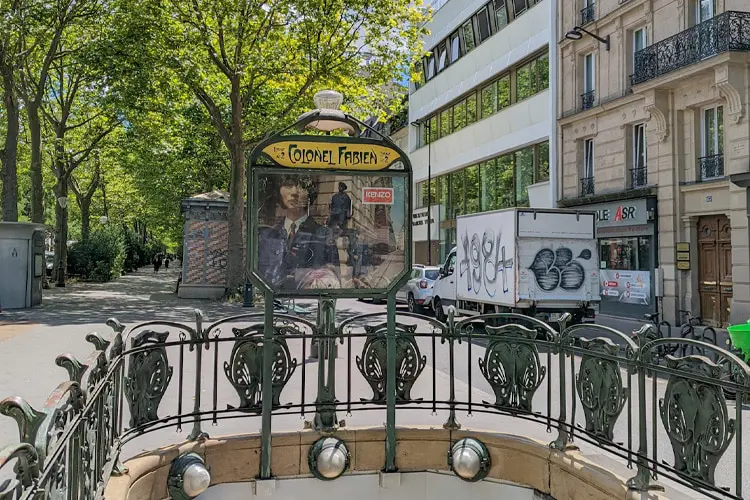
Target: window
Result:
[524, 174]
[705, 10]
[459, 116]
[483, 24]
[588, 73]
[524, 77]
[504, 182]
[468, 34]
[542, 73]
[471, 109]
[457, 195]
[519, 6]
[489, 101]
[625, 254]
[542, 172]
[501, 14]
[487, 176]
[442, 54]
[713, 131]
[445, 122]
[639, 146]
[429, 69]
[640, 41]
[455, 47]
[503, 92]
[588, 159]
[472, 183]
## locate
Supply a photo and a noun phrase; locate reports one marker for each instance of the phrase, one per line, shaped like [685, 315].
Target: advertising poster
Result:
[629, 287]
[324, 231]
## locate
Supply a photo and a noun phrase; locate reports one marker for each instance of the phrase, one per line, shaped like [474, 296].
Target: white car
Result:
[417, 292]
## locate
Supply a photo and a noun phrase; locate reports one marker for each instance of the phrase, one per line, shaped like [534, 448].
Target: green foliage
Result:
[100, 258]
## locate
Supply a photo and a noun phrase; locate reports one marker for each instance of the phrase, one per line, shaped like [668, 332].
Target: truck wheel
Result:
[439, 313]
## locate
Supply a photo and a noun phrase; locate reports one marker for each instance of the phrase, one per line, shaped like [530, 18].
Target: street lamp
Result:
[577, 33]
[428, 124]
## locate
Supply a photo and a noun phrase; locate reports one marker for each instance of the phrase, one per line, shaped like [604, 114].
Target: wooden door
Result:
[715, 269]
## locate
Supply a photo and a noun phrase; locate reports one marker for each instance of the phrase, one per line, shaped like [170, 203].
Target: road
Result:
[30, 341]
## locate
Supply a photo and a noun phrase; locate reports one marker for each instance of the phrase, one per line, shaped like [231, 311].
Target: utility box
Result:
[22, 264]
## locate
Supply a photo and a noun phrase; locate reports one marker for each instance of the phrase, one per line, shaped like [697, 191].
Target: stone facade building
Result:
[653, 133]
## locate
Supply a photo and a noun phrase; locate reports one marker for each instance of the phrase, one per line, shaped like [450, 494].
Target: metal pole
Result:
[267, 389]
[429, 194]
[390, 386]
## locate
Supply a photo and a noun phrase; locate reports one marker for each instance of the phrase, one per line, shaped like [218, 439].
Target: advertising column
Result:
[627, 256]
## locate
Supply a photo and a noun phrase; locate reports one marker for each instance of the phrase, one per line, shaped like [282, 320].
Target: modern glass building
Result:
[482, 114]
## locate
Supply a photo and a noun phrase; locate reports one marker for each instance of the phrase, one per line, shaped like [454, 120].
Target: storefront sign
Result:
[307, 154]
[629, 287]
[621, 213]
[377, 196]
[419, 224]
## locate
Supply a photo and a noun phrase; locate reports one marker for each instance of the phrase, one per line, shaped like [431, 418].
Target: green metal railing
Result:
[589, 384]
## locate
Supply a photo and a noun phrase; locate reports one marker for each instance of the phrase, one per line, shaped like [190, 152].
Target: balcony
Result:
[638, 177]
[727, 32]
[711, 167]
[587, 14]
[587, 100]
[587, 186]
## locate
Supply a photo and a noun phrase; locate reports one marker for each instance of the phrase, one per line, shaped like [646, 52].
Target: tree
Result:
[84, 195]
[255, 64]
[41, 43]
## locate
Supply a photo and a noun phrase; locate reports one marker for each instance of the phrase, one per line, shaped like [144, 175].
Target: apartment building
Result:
[481, 116]
[653, 134]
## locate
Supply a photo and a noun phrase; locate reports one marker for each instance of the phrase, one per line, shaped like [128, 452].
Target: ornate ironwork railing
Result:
[588, 14]
[659, 404]
[638, 177]
[587, 186]
[726, 32]
[588, 99]
[711, 167]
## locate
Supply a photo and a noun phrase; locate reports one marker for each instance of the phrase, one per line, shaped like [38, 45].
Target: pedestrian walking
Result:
[166, 262]
[157, 262]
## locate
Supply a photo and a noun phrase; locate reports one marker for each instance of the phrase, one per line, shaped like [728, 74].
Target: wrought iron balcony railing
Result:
[726, 32]
[164, 375]
[711, 167]
[638, 177]
[587, 186]
[588, 14]
[587, 100]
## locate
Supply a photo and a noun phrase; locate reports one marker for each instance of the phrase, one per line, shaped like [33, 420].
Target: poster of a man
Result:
[329, 231]
[296, 252]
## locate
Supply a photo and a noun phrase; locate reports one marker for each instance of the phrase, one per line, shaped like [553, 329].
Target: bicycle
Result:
[655, 319]
[688, 331]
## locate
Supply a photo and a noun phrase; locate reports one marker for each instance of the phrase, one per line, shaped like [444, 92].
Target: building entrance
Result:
[715, 269]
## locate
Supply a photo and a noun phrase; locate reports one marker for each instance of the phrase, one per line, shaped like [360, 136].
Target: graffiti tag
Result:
[218, 258]
[557, 269]
[484, 259]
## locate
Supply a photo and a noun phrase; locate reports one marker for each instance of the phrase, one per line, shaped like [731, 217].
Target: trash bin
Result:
[740, 335]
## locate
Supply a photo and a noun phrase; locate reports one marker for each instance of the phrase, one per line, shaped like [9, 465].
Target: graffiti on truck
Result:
[484, 261]
[555, 269]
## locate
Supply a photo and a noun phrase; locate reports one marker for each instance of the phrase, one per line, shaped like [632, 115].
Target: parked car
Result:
[417, 292]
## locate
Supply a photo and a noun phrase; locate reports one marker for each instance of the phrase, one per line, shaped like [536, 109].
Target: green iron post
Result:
[390, 398]
[267, 394]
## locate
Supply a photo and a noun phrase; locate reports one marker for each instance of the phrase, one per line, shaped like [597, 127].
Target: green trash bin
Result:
[740, 336]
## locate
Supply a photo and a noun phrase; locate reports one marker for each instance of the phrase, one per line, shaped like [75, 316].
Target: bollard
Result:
[248, 296]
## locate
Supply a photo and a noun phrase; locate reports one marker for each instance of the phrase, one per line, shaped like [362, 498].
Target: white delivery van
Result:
[538, 262]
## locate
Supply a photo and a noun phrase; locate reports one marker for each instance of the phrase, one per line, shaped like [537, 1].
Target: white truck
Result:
[538, 262]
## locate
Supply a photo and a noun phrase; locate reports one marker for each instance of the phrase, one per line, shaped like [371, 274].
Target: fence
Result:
[663, 406]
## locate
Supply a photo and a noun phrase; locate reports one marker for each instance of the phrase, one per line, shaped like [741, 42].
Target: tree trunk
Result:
[61, 233]
[9, 170]
[85, 205]
[37, 183]
[235, 243]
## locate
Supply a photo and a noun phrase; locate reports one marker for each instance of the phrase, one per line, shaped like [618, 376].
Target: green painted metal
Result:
[696, 417]
[511, 366]
[326, 419]
[197, 432]
[148, 377]
[391, 389]
[267, 389]
[600, 388]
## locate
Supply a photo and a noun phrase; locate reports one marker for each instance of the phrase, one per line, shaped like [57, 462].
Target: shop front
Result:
[628, 251]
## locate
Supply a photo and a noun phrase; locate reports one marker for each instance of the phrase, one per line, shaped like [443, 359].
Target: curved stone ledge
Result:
[516, 459]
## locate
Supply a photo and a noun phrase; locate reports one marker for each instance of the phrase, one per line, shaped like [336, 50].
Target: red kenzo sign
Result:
[377, 196]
